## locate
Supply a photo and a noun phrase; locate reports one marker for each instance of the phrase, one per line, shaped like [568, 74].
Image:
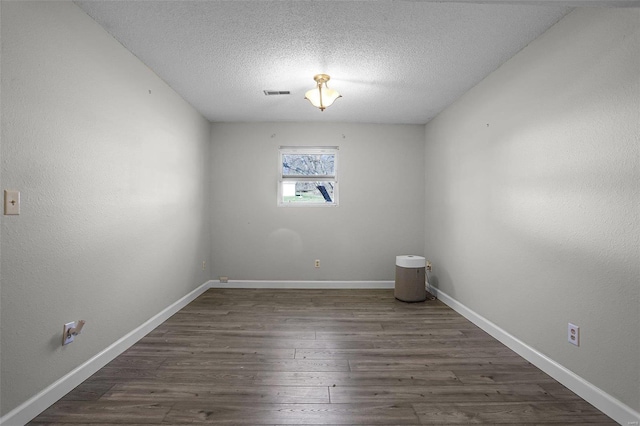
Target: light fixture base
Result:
[321, 78]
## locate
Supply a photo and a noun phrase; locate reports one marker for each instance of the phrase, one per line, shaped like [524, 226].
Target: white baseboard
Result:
[303, 284]
[28, 410]
[604, 402]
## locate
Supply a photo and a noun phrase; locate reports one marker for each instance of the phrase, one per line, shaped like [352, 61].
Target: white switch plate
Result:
[11, 202]
[573, 334]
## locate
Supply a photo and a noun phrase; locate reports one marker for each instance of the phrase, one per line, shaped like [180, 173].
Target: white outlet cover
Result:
[573, 334]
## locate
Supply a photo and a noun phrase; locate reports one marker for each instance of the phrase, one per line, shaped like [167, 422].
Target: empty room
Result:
[320, 212]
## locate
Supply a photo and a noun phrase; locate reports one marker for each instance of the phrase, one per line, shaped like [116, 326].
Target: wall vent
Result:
[276, 92]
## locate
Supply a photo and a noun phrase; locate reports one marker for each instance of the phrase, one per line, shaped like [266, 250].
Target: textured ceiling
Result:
[393, 61]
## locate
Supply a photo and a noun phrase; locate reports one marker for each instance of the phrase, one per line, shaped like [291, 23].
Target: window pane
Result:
[308, 192]
[308, 165]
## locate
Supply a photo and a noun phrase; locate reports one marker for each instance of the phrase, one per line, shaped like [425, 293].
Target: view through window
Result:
[308, 176]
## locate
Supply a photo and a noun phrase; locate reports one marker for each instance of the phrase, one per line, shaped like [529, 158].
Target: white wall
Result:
[381, 211]
[532, 208]
[112, 169]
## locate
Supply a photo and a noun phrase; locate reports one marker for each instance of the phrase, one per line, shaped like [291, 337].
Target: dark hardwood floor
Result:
[275, 357]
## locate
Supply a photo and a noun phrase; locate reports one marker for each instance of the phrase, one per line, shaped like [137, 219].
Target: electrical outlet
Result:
[204, 265]
[573, 334]
[317, 263]
[66, 336]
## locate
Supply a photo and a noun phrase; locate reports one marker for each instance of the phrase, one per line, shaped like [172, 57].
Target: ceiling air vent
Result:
[276, 92]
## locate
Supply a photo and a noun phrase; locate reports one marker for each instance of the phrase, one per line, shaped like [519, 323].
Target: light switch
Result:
[11, 202]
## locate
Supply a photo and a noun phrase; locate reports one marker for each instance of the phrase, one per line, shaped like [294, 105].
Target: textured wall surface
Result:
[381, 211]
[111, 165]
[532, 209]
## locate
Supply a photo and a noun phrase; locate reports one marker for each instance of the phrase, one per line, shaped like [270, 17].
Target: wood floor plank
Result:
[171, 376]
[101, 412]
[404, 353]
[89, 391]
[396, 335]
[490, 376]
[207, 363]
[136, 363]
[352, 357]
[439, 393]
[285, 414]
[196, 334]
[509, 413]
[421, 325]
[166, 350]
[356, 379]
[217, 394]
[436, 363]
[256, 342]
[442, 342]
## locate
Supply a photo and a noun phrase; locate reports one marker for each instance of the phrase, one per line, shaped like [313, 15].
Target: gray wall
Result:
[533, 200]
[112, 169]
[381, 211]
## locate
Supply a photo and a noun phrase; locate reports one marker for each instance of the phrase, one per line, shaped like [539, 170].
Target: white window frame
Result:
[313, 150]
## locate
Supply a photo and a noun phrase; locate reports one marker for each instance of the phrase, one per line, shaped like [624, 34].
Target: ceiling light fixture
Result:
[321, 96]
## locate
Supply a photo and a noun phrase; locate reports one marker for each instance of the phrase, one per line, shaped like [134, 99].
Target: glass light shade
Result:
[322, 97]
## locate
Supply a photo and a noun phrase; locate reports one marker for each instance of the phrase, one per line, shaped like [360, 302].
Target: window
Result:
[308, 176]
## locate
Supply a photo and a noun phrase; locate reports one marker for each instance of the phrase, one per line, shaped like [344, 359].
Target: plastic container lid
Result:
[410, 261]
